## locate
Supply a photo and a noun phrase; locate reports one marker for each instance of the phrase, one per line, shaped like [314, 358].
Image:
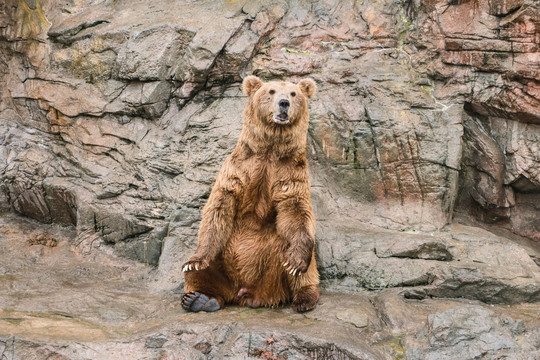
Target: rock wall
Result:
[115, 116]
[494, 50]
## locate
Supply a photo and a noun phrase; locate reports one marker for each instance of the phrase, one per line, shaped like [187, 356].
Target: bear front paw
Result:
[295, 266]
[195, 264]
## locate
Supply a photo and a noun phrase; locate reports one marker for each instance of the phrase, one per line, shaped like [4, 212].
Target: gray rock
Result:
[353, 316]
[466, 332]
[153, 53]
[457, 325]
[93, 305]
[501, 181]
[465, 262]
[414, 248]
[155, 341]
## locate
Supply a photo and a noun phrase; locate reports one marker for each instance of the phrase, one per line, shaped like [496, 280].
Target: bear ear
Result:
[251, 84]
[308, 87]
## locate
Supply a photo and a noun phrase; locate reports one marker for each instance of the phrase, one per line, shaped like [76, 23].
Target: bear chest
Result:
[257, 198]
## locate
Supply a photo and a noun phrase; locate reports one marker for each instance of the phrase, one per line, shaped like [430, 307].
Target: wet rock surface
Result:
[115, 117]
[67, 299]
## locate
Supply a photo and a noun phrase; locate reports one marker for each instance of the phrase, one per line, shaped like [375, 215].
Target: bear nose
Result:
[283, 105]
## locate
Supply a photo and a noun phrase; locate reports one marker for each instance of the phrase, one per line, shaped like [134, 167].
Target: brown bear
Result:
[257, 234]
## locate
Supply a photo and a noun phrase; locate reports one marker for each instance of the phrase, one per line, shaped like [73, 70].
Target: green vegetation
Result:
[291, 51]
[14, 321]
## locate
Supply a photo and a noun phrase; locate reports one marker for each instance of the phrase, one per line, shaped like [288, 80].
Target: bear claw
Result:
[194, 265]
[196, 301]
[291, 270]
[295, 267]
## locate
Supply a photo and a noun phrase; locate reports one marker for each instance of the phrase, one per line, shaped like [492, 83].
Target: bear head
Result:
[278, 103]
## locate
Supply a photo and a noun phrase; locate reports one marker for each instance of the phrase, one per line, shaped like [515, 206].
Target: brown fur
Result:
[259, 215]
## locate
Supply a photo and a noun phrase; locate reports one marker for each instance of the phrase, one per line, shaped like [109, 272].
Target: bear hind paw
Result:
[303, 307]
[196, 301]
[306, 299]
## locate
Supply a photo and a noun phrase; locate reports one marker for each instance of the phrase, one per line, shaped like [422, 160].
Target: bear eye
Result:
[293, 94]
[272, 92]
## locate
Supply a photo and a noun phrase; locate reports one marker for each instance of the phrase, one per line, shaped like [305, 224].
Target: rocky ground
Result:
[62, 299]
[423, 148]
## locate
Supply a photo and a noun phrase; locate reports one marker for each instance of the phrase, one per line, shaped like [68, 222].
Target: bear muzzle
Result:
[283, 116]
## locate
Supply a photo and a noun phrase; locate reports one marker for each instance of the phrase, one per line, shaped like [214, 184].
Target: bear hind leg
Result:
[207, 290]
[305, 288]
[305, 298]
[195, 301]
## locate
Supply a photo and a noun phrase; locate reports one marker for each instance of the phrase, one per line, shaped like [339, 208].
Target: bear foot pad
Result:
[196, 301]
[303, 307]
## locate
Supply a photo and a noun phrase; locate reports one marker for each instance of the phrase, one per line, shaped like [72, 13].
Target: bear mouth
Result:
[282, 118]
